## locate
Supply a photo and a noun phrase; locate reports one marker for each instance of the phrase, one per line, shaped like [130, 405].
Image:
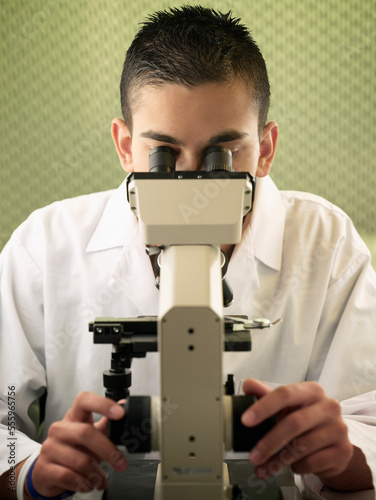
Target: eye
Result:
[174, 149]
[234, 146]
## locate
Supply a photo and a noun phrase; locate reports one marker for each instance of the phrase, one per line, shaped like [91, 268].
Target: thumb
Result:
[255, 387]
[101, 425]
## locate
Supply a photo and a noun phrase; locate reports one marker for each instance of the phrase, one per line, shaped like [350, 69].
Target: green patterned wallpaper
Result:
[59, 72]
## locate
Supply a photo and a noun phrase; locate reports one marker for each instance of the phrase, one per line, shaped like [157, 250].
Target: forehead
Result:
[211, 106]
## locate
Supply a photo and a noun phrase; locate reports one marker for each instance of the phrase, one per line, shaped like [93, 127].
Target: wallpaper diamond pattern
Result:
[59, 73]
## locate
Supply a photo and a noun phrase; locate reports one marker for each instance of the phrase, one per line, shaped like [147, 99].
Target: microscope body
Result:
[191, 214]
[191, 339]
[185, 217]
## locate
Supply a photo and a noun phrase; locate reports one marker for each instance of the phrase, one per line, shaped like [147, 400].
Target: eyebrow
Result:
[226, 136]
[158, 136]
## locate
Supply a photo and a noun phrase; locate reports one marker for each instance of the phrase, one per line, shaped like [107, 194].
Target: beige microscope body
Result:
[184, 218]
[191, 218]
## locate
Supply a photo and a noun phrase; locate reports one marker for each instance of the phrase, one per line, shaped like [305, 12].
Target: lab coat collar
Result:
[117, 224]
[264, 230]
[132, 271]
[262, 240]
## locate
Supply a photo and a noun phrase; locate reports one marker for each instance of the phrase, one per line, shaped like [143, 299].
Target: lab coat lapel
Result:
[132, 273]
[261, 244]
[262, 241]
[267, 224]
[242, 274]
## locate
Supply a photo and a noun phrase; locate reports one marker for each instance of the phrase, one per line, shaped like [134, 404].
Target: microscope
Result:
[184, 218]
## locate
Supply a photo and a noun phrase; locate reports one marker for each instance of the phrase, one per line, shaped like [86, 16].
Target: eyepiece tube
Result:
[162, 160]
[218, 158]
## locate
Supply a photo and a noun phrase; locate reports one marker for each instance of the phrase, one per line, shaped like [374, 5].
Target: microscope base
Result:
[191, 490]
[139, 480]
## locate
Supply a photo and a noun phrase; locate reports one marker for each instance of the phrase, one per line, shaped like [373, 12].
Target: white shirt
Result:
[299, 259]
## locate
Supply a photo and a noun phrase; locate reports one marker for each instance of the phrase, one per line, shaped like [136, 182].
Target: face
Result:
[191, 120]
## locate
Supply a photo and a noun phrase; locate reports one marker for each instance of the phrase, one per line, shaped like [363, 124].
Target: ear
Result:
[123, 143]
[268, 146]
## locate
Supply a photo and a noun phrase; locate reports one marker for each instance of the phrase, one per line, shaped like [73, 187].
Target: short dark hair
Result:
[193, 45]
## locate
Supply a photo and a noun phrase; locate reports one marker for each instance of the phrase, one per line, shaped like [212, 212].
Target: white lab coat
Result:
[300, 259]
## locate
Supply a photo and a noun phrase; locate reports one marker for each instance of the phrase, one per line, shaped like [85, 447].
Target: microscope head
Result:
[190, 208]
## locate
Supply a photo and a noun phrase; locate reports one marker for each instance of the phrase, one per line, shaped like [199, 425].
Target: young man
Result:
[193, 78]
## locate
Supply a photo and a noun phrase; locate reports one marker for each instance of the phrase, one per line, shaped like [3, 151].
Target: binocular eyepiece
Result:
[162, 159]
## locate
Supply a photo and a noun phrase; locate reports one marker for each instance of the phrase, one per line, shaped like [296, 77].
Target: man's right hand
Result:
[71, 454]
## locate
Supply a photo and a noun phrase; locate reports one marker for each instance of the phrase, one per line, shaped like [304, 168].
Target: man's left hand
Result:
[310, 434]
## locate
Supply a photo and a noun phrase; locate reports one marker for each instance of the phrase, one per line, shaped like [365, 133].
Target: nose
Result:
[190, 162]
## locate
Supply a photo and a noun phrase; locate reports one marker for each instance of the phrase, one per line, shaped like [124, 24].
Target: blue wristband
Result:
[36, 495]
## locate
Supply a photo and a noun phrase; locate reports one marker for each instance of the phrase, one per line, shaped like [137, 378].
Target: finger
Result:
[87, 436]
[320, 424]
[60, 479]
[331, 441]
[305, 449]
[78, 460]
[295, 395]
[324, 463]
[293, 451]
[288, 457]
[255, 387]
[101, 425]
[87, 402]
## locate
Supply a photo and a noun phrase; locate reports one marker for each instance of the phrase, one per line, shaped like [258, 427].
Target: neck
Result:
[228, 249]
